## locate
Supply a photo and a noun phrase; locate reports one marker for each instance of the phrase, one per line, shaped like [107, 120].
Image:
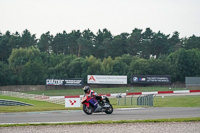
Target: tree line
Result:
[26, 60]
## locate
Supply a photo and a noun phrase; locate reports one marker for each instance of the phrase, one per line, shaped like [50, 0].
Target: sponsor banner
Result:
[106, 79]
[72, 102]
[65, 82]
[157, 79]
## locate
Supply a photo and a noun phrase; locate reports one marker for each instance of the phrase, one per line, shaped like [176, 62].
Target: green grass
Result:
[177, 101]
[194, 119]
[66, 92]
[37, 105]
[169, 101]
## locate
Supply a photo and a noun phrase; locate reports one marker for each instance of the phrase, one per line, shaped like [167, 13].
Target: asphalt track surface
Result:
[66, 116]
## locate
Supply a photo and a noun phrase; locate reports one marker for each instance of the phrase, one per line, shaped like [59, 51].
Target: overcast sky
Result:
[118, 16]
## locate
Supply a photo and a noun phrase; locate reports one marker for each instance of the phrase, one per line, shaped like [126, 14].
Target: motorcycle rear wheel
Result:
[87, 110]
[109, 110]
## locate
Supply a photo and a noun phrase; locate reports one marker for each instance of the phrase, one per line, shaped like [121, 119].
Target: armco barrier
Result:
[13, 103]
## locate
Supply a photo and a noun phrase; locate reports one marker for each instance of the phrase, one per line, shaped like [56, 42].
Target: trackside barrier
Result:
[13, 103]
[146, 100]
[122, 98]
[126, 100]
[72, 101]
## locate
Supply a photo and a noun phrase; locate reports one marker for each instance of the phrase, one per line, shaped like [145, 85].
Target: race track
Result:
[66, 116]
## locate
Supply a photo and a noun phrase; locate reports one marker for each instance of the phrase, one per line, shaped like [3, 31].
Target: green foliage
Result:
[192, 42]
[27, 60]
[5, 74]
[107, 66]
[94, 66]
[185, 63]
[27, 66]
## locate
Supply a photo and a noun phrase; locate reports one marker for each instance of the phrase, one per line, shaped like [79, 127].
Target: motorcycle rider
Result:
[94, 95]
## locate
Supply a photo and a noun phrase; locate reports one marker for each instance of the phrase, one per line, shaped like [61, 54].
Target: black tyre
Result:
[87, 110]
[109, 110]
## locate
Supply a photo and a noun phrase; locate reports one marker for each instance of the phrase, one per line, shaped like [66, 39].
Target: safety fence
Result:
[146, 100]
[140, 100]
[56, 100]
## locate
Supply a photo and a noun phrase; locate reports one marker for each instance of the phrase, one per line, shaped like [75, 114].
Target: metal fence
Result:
[140, 100]
[192, 82]
[146, 100]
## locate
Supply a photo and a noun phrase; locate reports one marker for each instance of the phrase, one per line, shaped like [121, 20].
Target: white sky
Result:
[118, 16]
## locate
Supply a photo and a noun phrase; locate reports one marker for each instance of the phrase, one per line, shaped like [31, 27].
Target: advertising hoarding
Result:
[72, 102]
[106, 79]
[65, 82]
[152, 79]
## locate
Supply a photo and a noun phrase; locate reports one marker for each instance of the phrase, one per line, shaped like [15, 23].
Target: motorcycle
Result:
[94, 105]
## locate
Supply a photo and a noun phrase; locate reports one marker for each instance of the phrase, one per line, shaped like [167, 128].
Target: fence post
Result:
[125, 100]
[132, 99]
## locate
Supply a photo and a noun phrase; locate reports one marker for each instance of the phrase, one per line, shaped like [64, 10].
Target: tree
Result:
[174, 42]
[58, 65]
[134, 42]
[76, 68]
[22, 59]
[61, 44]
[5, 74]
[139, 67]
[7, 43]
[119, 67]
[45, 42]
[33, 72]
[158, 66]
[27, 39]
[94, 65]
[73, 42]
[192, 42]
[160, 45]
[102, 44]
[4, 42]
[118, 46]
[107, 66]
[184, 63]
[147, 38]
[86, 44]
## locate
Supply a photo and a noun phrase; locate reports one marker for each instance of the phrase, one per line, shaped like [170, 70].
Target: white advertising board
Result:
[106, 79]
[72, 102]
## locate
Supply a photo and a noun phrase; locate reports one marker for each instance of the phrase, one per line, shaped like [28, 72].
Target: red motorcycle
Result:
[96, 104]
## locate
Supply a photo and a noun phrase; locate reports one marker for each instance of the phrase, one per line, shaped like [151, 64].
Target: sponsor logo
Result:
[142, 79]
[135, 79]
[91, 78]
[72, 102]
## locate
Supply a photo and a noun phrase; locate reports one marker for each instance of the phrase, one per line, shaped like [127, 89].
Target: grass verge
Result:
[67, 92]
[37, 105]
[193, 119]
[169, 101]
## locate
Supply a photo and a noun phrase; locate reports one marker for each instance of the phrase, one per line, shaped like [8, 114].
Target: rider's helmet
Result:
[86, 89]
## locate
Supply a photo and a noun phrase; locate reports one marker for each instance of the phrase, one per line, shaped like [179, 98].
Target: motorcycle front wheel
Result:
[109, 110]
[87, 110]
